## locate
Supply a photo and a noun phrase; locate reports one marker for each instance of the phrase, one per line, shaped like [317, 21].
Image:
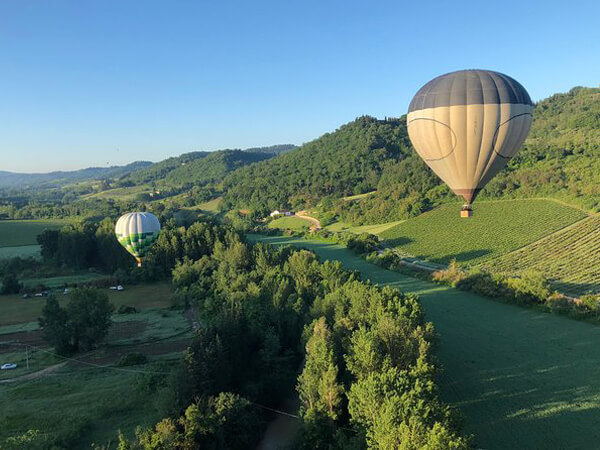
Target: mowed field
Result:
[17, 233]
[523, 379]
[496, 228]
[15, 310]
[570, 258]
[86, 399]
[290, 223]
[376, 229]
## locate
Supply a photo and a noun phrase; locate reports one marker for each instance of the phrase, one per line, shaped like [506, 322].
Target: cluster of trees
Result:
[363, 346]
[81, 325]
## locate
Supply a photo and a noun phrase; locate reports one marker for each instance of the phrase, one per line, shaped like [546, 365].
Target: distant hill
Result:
[201, 167]
[24, 180]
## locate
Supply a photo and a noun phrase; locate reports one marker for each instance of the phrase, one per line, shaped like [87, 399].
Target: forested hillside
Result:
[559, 159]
[350, 160]
[201, 167]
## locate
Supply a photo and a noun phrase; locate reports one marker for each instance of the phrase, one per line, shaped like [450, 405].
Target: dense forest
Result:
[275, 323]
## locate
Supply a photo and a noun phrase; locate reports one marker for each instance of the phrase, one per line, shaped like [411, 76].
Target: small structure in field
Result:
[281, 212]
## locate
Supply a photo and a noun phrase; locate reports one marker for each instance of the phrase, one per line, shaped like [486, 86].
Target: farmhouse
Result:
[281, 212]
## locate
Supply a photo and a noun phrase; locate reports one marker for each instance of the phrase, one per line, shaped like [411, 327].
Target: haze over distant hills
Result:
[143, 169]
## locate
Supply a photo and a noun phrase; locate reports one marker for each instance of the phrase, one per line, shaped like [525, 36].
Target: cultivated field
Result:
[23, 251]
[496, 228]
[372, 229]
[523, 379]
[89, 398]
[569, 257]
[290, 223]
[17, 233]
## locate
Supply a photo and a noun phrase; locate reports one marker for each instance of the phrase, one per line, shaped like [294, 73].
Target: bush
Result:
[126, 309]
[132, 359]
[10, 285]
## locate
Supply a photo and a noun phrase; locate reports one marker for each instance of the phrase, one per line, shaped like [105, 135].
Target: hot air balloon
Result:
[137, 232]
[466, 126]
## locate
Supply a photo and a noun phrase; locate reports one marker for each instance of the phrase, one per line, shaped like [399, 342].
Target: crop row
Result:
[570, 258]
[497, 228]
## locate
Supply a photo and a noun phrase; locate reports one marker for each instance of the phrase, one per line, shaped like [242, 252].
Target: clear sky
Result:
[90, 83]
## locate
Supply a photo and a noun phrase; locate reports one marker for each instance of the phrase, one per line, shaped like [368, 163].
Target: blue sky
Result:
[90, 83]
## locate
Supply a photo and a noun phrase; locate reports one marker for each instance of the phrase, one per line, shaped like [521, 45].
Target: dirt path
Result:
[315, 222]
[35, 375]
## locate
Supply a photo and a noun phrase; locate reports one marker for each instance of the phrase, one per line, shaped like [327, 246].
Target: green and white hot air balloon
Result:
[137, 232]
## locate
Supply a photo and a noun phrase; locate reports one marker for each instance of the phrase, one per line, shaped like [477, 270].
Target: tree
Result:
[320, 392]
[82, 325]
[89, 311]
[55, 325]
[10, 284]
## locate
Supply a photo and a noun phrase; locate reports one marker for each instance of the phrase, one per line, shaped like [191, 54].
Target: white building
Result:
[281, 212]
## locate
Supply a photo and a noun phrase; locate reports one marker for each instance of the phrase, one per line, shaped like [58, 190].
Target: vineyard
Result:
[496, 228]
[570, 258]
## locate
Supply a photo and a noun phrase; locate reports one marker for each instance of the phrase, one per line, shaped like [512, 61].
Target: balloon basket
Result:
[466, 212]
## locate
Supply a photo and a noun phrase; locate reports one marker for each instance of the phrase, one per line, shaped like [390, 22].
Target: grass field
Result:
[359, 196]
[211, 205]
[17, 233]
[16, 310]
[523, 379]
[124, 193]
[569, 257]
[23, 251]
[290, 223]
[372, 229]
[496, 228]
[88, 399]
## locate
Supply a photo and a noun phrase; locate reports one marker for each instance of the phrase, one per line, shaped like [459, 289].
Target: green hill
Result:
[349, 161]
[496, 228]
[560, 159]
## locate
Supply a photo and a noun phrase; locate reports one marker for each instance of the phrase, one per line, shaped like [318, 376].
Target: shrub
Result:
[126, 309]
[132, 359]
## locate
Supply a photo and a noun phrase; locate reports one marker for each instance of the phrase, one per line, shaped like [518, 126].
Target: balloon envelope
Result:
[137, 232]
[466, 126]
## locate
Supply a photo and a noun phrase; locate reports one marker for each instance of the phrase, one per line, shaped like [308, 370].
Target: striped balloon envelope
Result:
[467, 125]
[137, 232]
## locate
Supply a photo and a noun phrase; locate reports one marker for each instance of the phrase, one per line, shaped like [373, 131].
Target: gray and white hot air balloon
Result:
[466, 126]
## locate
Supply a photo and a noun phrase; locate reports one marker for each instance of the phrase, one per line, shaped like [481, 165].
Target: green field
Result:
[124, 193]
[211, 205]
[15, 310]
[23, 251]
[17, 233]
[88, 399]
[523, 379]
[290, 223]
[372, 229]
[570, 258]
[496, 228]
[359, 196]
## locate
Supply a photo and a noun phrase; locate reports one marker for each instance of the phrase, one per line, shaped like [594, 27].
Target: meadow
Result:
[570, 258]
[14, 309]
[496, 228]
[376, 229]
[290, 223]
[22, 251]
[123, 193]
[17, 233]
[522, 378]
